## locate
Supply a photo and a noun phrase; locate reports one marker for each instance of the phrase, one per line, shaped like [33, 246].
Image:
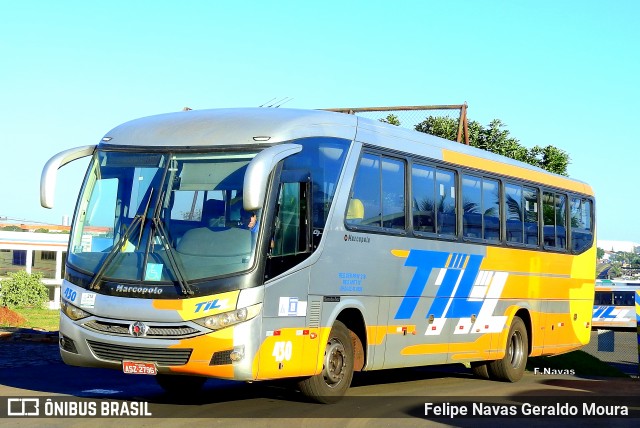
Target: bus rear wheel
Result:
[337, 371]
[511, 367]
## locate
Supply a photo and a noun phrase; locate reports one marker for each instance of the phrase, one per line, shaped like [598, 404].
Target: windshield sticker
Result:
[153, 272]
[88, 300]
[292, 307]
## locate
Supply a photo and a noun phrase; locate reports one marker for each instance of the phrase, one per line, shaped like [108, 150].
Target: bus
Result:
[258, 244]
[614, 304]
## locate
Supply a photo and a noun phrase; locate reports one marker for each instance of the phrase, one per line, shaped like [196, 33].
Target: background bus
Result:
[255, 244]
[614, 305]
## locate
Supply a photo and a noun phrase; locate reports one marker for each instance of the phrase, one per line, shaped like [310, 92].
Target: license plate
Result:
[137, 367]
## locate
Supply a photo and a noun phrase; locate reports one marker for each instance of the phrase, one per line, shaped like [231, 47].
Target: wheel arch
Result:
[525, 316]
[352, 318]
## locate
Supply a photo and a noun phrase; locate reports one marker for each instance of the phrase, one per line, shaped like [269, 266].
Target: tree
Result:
[23, 290]
[391, 119]
[496, 139]
[600, 253]
[615, 271]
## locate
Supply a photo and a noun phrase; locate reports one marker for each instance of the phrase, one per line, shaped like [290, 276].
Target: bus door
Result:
[288, 349]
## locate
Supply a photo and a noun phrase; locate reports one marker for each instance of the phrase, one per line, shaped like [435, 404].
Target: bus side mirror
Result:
[257, 176]
[50, 171]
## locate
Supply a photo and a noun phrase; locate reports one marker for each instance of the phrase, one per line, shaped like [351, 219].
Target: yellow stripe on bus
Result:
[515, 171]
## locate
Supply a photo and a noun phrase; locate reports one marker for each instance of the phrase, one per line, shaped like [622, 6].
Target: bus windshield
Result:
[164, 217]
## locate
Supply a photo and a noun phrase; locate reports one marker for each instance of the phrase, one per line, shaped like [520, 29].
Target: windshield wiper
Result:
[144, 217]
[124, 239]
[138, 220]
[171, 256]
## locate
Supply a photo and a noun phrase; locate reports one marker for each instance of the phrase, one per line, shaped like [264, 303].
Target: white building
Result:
[36, 252]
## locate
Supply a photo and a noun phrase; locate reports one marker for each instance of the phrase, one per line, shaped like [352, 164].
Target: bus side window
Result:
[378, 194]
[423, 206]
[290, 231]
[602, 298]
[514, 213]
[581, 231]
[623, 298]
[554, 215]
[366, 190]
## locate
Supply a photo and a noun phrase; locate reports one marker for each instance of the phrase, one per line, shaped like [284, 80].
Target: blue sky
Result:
[559, 73]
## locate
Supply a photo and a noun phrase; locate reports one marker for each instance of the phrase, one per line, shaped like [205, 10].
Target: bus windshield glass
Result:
[164, 217]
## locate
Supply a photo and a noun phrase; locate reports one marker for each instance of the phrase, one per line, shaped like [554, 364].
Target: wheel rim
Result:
[516, 350]
[334, 362]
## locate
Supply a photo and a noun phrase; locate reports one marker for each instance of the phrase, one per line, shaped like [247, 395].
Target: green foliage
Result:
[42, 230]
[626, 258]
[12, 228]
[23, 290]
[615, 271]
[496, 139]
[391, 119]
[550, 158]
[445, 127]
[600, 253]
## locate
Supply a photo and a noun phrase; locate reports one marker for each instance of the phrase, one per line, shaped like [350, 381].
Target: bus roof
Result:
[250, 126]
[219, 127]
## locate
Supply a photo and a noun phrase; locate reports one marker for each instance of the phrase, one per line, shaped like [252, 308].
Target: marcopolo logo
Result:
[120, 288]
[359, 239]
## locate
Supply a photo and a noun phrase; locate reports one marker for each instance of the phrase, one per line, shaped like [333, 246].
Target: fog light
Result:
[237, 354]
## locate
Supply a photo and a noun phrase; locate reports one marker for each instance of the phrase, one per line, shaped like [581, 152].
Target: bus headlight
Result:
[226, 319]
[71, 311]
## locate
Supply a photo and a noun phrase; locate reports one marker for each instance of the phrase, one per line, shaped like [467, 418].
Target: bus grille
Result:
[161, 356]
[155, 331]
[221, 358]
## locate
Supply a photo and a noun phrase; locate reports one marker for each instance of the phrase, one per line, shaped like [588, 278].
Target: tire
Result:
[180, 385]
[511, 367]
[337, 369]
[480, 369]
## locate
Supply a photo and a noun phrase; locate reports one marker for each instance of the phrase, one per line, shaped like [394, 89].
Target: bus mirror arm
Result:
[257, 175]
[50, 171]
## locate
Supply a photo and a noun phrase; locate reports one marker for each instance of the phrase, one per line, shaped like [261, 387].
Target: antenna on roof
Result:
[278, 103]
[283, 101]
[267, 102]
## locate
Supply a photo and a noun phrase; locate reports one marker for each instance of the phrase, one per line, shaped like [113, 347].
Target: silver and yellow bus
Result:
[256, 244]
[614, 304]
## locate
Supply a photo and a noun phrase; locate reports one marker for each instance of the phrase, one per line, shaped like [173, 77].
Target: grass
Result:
[582, 363]
[44, 319]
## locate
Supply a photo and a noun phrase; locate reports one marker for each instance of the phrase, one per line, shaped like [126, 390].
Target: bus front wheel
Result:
[337, 371]
[511, 367]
